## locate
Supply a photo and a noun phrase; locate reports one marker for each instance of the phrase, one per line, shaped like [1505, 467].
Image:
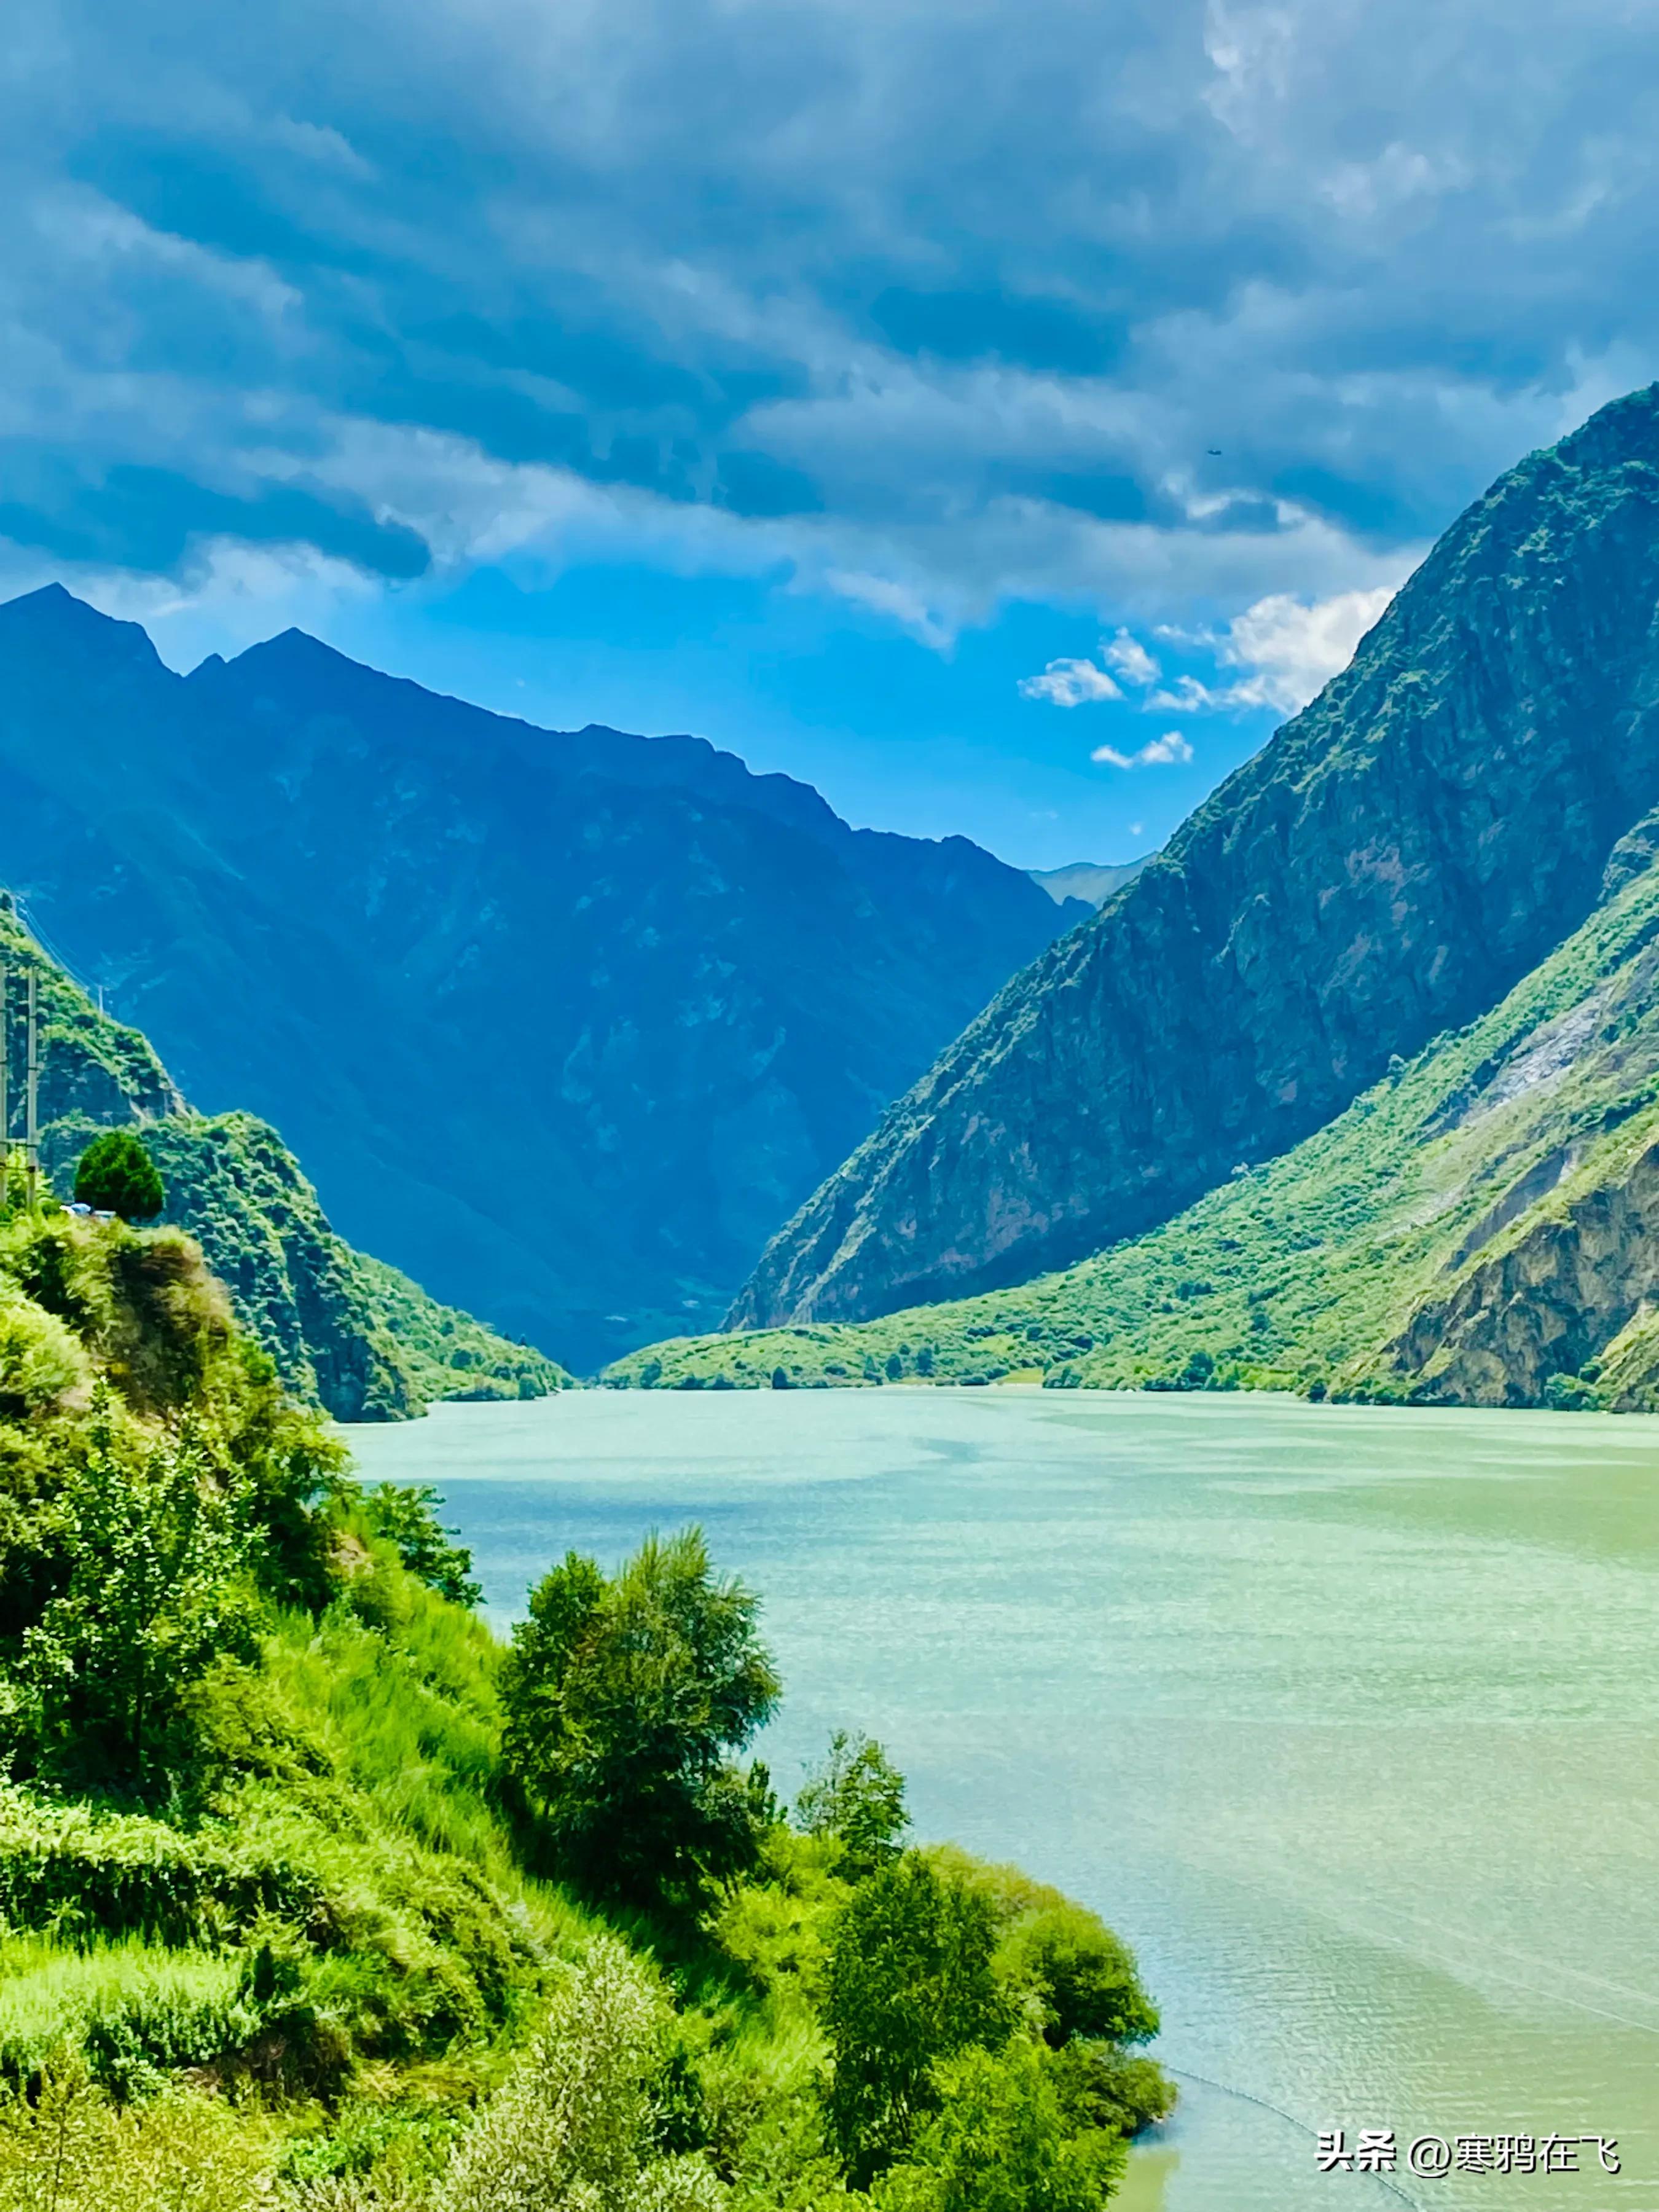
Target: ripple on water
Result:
[1345, 1717]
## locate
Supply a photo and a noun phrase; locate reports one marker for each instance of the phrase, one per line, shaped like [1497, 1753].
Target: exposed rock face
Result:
[1389, 865]
[1548, 1304]
[566, 1025]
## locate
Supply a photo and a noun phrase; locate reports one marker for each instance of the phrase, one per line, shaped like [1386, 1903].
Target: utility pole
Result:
[32, 1097]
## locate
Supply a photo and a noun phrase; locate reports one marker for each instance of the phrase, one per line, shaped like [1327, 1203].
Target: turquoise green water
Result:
[1349, 1719]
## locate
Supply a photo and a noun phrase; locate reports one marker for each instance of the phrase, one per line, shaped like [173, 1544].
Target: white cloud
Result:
[872, 250]
[1131, 659]
[900, 602]
[1293, 649]
[1070, 684]
[1172, 746]
[1171, 750]
[1290, 648]
[1187, 695]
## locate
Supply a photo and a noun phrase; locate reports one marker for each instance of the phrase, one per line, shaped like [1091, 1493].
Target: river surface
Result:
[1347, 1719]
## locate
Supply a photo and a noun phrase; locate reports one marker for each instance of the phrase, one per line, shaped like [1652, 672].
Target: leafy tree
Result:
[116, 1175]
[1082, 1976]
[623, 1697]
[1001, 2141]
[857, 1797]
[909, 1982]
[1102, 2086]
[159, 1586]
[406, 1518]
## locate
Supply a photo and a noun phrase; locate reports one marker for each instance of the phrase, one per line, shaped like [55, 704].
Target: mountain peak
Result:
[58, 621]
[1390, 864]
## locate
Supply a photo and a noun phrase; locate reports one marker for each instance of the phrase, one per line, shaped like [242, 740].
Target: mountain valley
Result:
[564, 1026]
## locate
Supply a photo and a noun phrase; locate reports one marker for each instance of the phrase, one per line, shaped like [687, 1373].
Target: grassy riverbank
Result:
[291, 1908]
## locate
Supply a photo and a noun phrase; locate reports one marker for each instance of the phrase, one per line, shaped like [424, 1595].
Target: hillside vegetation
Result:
[347, 1332]
[310, 1895]
[1481, 1227]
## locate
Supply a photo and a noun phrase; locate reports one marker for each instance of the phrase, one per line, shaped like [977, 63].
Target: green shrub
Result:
[87, 1874]
[158, 1585]
[41, 1360]
[623, 1697]
[68, 2149]
[116, 1175]
[575, 2126]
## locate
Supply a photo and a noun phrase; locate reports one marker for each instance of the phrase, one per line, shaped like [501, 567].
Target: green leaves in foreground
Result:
[158, 1585]
[623, 1697]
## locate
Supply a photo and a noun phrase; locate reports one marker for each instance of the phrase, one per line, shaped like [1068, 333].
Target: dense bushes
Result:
[281, 1849]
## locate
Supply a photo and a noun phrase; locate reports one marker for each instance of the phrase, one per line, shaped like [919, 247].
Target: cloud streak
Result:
[1170, 750]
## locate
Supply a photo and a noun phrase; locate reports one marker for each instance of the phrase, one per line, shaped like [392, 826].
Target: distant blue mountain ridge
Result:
[565, 1024]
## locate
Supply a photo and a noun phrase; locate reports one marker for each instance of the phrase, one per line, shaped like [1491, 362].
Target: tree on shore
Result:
[624, 1698]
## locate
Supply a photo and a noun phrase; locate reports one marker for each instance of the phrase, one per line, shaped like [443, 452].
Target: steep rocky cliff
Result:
[1481, 1227]
[566, 1025]
[346, 1331]
[1390, 864]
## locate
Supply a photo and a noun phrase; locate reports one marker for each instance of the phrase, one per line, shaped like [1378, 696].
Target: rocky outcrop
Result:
[1390, 864]
[1548, 1303]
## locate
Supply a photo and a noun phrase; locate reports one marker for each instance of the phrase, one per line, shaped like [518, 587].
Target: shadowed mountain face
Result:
[346, 1331]
[564, 1026]
[1398, 856]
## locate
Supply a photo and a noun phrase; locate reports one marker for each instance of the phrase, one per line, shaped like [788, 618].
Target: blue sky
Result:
[1001, 417]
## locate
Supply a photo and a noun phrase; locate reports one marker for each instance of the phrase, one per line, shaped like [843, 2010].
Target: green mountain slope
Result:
[347, 1332]
[1395, 860]
[1481, 1227]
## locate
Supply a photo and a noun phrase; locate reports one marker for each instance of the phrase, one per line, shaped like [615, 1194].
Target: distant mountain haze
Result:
[1091, 880]
[1390, 865]
[562, 1024]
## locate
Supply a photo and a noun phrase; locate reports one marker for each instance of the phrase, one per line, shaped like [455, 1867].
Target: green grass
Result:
[137, 2010]
[1304, 1271]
